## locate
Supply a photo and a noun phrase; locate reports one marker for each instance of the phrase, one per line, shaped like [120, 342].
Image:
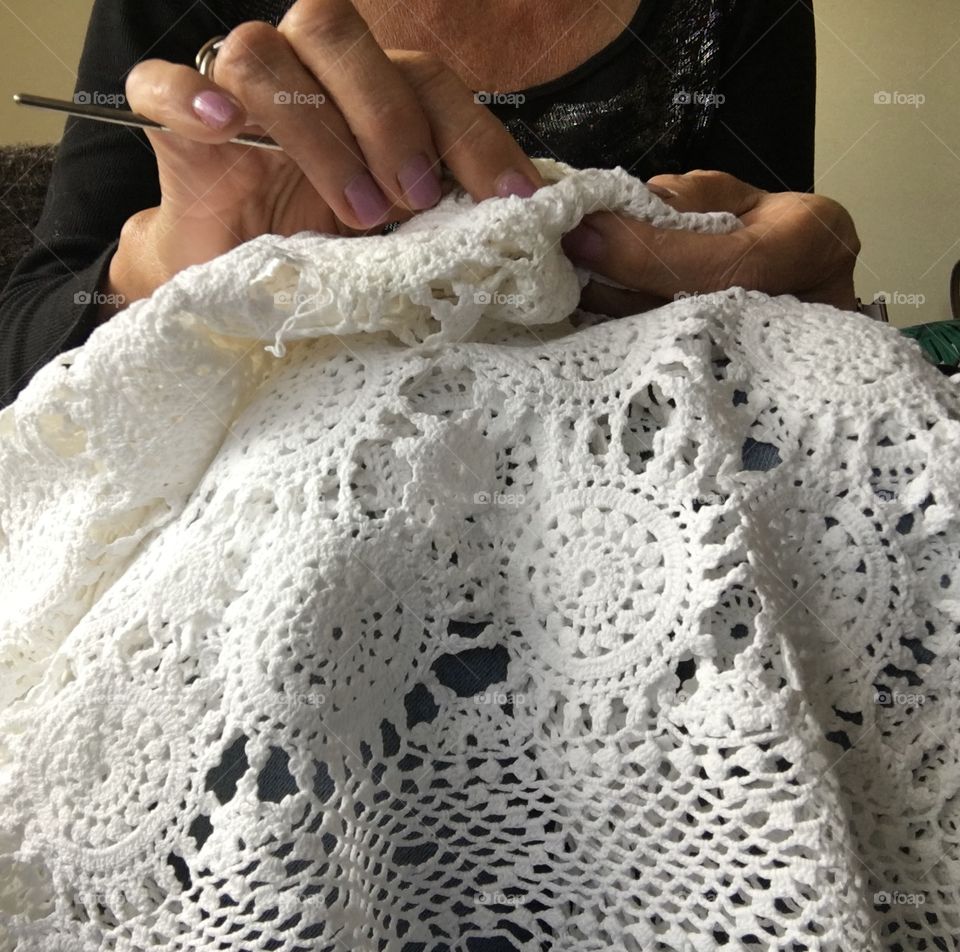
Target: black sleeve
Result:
[763, 132]
[102, 175]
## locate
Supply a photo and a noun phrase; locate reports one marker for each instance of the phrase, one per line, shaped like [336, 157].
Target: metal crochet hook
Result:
[124, 117]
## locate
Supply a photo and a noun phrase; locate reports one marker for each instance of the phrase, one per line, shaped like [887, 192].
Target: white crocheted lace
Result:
[456, 620]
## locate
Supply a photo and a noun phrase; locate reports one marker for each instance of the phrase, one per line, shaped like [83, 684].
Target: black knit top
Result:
[714, 84]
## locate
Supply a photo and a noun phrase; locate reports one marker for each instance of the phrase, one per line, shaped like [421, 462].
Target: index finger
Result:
[335, 45]
[662, 261]
[485, 159]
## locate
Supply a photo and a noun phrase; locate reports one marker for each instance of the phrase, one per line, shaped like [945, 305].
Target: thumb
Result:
[184, 101]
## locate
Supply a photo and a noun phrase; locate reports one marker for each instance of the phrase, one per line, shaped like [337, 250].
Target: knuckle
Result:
[711, 179]
[842, 225]
[713, 190]
[328, 21]
[245, 48]
[854, 244]
[144, 81]
[137, 73]
[485, 135]
[426, 69]
[824, 215]
[390, 117]
[711, 174]
[667, 181]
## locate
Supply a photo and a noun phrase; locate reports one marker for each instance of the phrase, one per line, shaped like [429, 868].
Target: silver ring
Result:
[207, 55]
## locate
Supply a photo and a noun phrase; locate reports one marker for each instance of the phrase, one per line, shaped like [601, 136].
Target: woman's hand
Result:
[363, 132]
[791, 243]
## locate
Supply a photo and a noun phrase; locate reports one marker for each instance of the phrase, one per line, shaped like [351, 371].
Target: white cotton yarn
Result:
[449, 623]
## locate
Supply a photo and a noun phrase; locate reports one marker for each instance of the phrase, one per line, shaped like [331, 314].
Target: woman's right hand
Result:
[363, 132]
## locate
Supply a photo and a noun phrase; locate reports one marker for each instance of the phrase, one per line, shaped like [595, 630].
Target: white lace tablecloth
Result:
[445, 624]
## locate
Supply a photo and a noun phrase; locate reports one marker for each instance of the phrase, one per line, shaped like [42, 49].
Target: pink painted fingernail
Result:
[214, 109]
[420, 182]
[513, 182]
[583, 243]
[366, 199]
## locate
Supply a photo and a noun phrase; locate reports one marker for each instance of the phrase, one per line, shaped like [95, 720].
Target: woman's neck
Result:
[500, 45]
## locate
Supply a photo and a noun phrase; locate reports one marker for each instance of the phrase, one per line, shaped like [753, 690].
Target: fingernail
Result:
[369, 204]
[214, 109]
[584, 243]
[661, 192]
[420, 182]
[513, 182]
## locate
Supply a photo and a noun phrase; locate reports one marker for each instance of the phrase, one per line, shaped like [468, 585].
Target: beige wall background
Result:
[895, 164]
[40, 44]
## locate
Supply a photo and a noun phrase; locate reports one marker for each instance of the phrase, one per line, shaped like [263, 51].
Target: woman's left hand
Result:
[791, 243]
